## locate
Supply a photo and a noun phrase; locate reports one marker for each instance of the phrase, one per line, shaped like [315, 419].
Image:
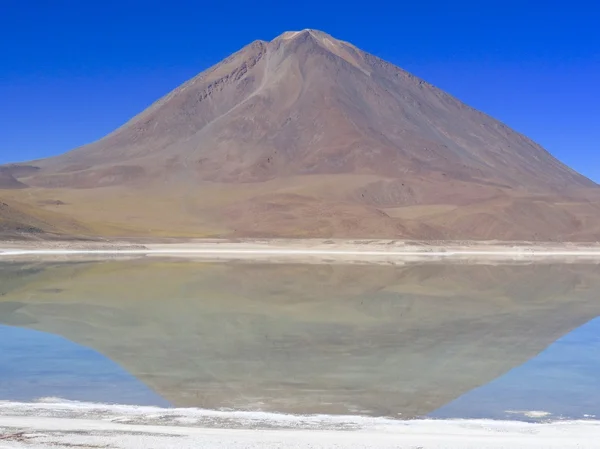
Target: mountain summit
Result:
[307, 135]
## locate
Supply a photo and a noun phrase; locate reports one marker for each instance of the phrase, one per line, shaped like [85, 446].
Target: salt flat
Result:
[35, 432]
[307, 249]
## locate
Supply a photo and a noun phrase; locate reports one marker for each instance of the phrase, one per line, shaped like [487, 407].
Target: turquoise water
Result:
[515, 342]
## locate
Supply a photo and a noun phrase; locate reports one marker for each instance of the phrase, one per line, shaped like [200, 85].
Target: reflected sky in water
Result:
[563, 381]
[36, 365]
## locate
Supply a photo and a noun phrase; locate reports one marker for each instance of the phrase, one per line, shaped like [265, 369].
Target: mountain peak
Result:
[304, 32]
[321, 37]
[315, 38]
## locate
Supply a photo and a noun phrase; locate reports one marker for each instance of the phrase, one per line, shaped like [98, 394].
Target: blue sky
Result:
[72, 71]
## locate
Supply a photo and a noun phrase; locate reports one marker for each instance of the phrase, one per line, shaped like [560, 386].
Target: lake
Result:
[439, 340]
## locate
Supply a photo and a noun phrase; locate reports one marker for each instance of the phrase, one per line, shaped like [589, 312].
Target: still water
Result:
[438, 340]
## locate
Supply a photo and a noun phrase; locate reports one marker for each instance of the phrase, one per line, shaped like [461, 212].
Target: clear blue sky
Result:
[72, 71]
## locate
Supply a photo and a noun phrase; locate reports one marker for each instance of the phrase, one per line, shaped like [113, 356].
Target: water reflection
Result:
[561, 382]
[378, 340]
[36, 365]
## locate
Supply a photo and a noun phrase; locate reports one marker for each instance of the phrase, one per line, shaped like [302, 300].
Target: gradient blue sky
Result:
[72, 71]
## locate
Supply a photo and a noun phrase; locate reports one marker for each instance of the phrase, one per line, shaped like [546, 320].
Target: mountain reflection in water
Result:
[371, 339]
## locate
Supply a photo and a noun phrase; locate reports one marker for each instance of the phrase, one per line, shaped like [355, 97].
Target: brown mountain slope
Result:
[307, 135]
[8, 180]
[18, 220]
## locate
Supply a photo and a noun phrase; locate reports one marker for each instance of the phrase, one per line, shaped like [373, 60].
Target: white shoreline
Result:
[42, 433]
[54, 424]
[297, 252]
[348, 251]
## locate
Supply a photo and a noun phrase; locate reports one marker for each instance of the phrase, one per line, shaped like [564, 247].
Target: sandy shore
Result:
[307, 250]
[36, 432]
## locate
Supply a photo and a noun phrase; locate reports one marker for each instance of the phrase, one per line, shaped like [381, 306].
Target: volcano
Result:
[309, 136]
